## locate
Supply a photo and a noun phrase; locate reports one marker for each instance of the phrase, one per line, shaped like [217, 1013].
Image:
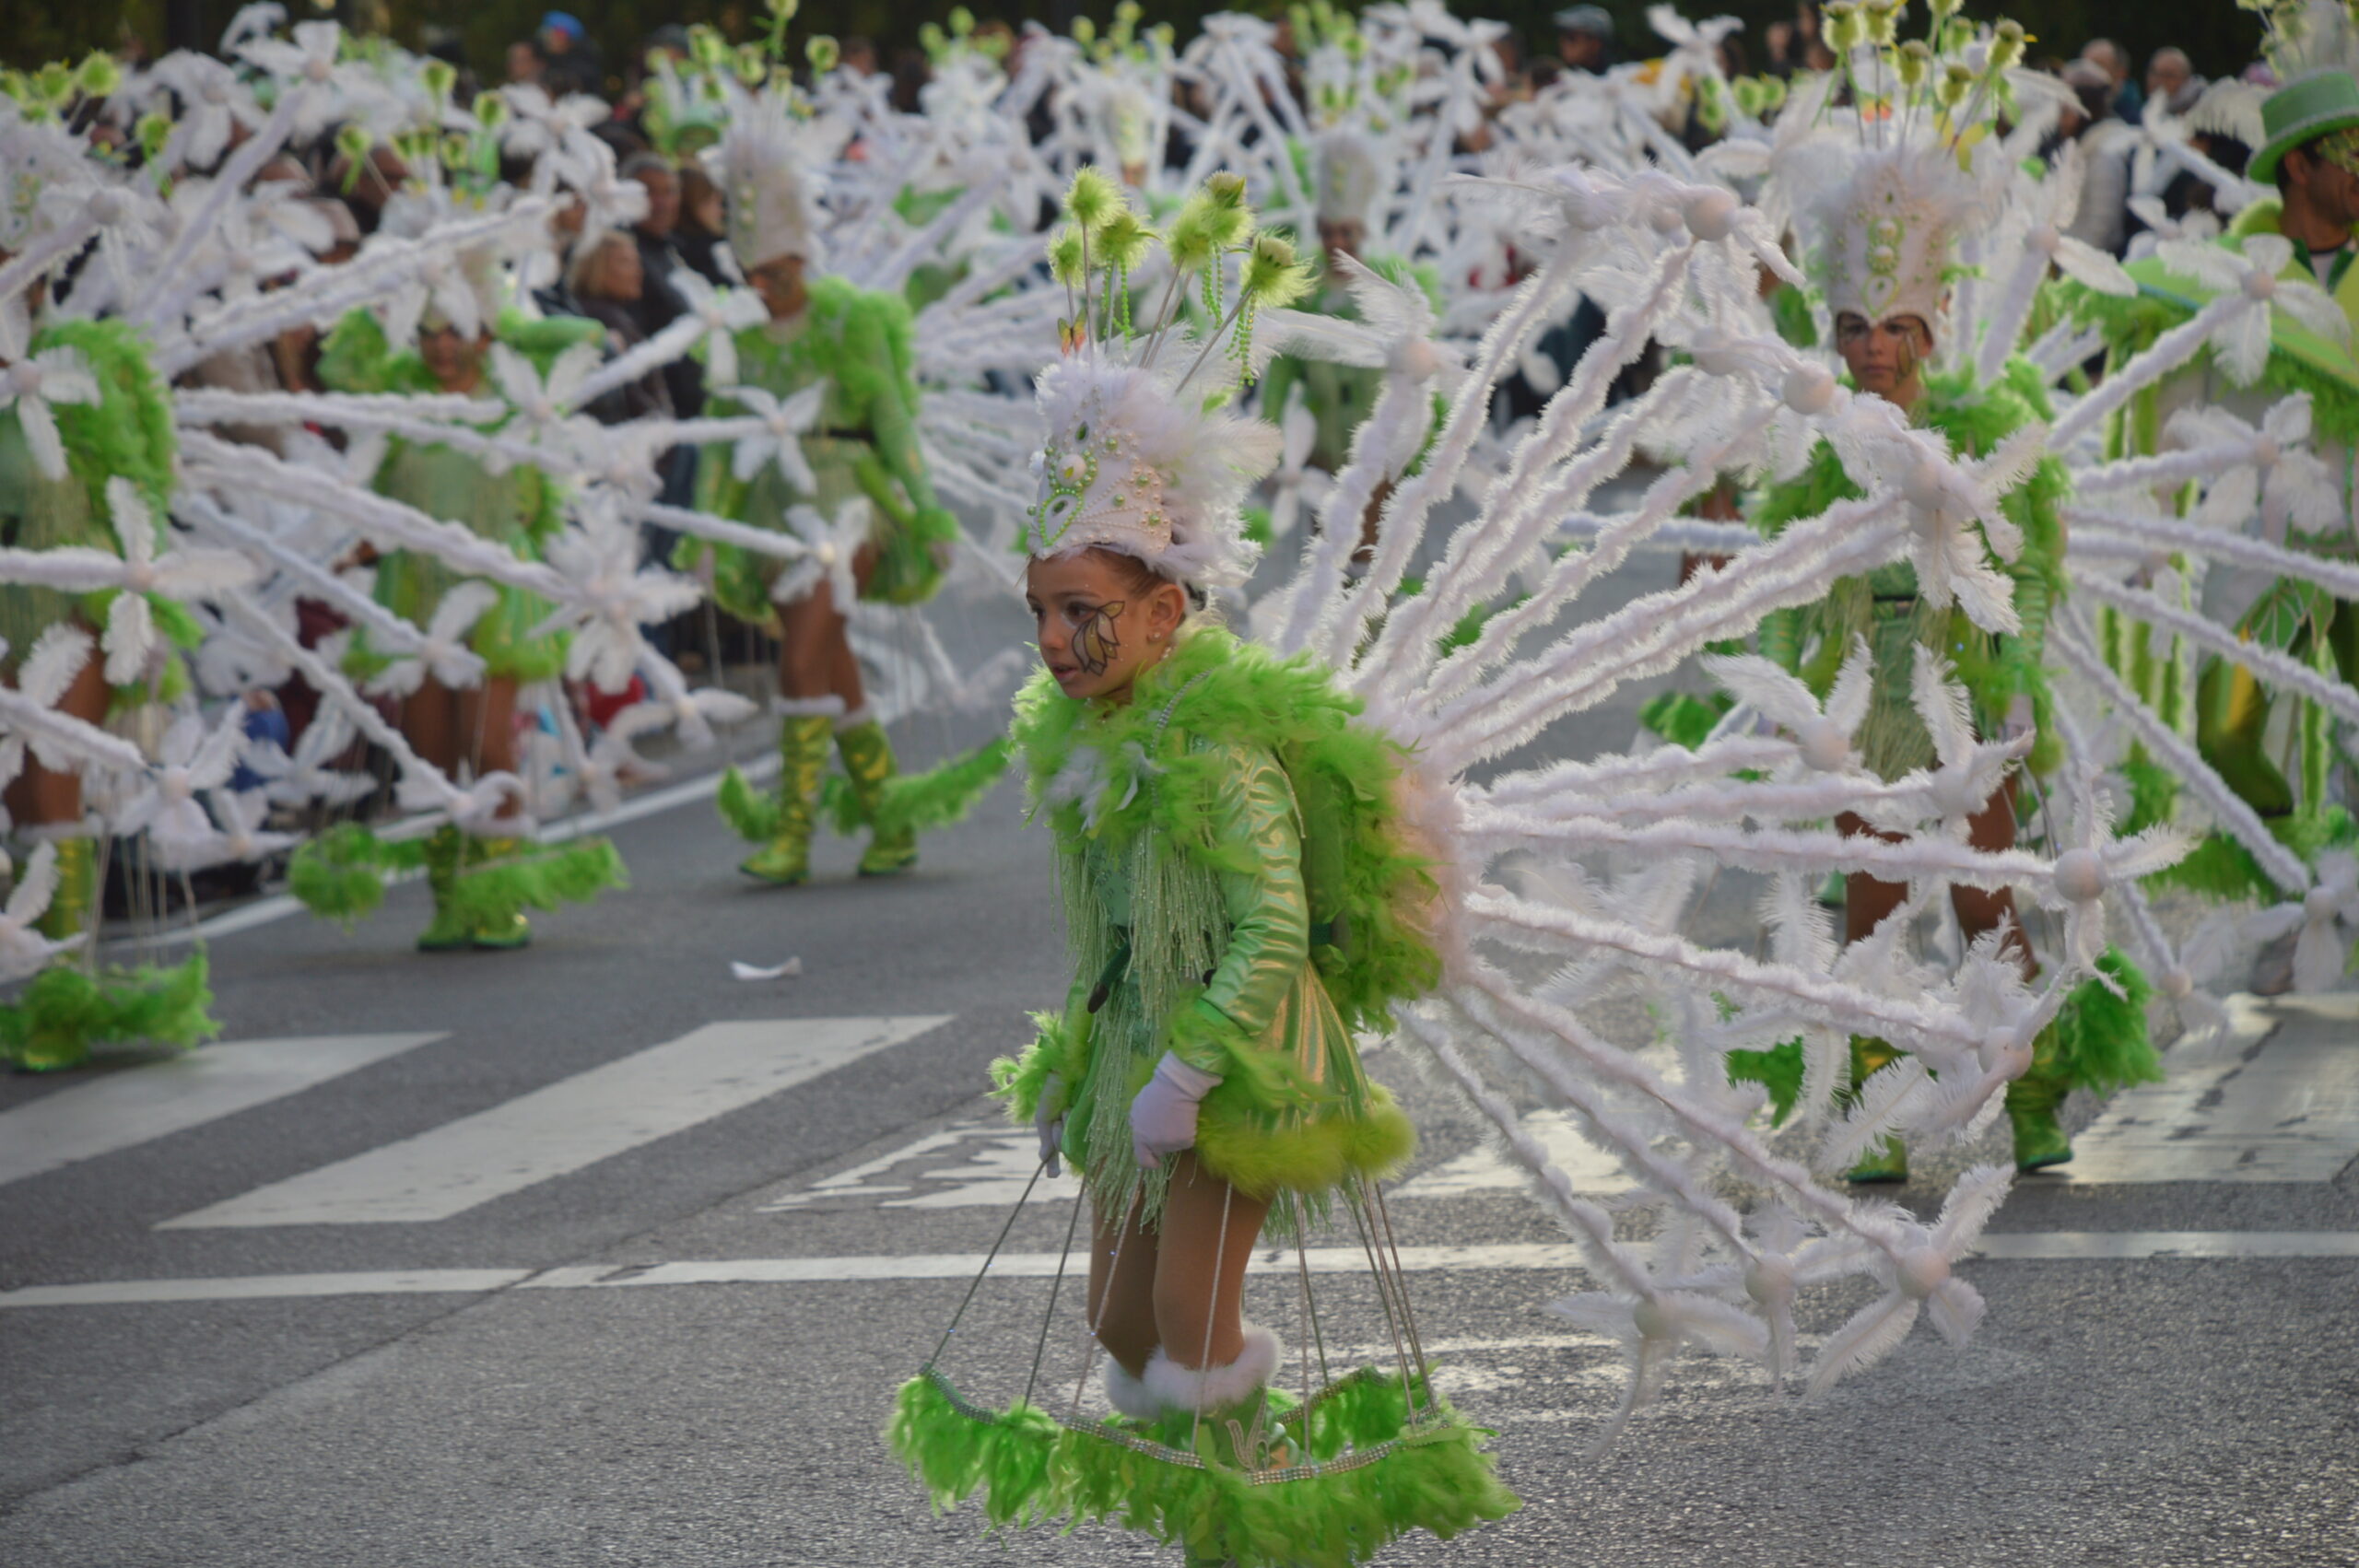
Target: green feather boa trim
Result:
[1236, 1142]
[1058, 1049]
[341, 875]
[128, 432]
[64, 1013]
[1993, 670]
[536, 877]
[1368, 885]
[2130, 325]
[2098, 1042]
[917, 802]
[753, 813]
[1331, 1511]
[355, 356]
[2101, 1041]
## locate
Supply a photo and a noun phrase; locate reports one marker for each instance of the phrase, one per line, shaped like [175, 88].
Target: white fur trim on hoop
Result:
[1215, 1387]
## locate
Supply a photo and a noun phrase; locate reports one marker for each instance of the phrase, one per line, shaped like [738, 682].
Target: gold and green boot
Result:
[868, 762]
[2034, 1101]
[802, 760]
[495, 930]
[448, 931]
[1886, 1160]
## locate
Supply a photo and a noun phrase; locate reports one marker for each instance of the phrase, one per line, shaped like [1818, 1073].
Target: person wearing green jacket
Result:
[860, 455]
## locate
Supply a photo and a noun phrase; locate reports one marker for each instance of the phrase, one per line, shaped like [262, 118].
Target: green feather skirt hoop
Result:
[1318, 1483]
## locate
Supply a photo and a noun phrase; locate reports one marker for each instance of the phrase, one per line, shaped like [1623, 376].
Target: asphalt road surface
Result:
[595, 1254]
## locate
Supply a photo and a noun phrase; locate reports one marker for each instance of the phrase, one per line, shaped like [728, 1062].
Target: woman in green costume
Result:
[481, 882]
[1883, 270]
[860, 453]
[107, 408]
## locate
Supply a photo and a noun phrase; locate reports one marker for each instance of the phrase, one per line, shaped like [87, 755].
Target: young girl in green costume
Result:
[1240, 897]
[860, 451]
[481, 883]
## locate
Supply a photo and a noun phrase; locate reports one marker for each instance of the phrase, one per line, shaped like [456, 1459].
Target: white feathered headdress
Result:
[1882, 188]
[764, 165]
[1141, 456]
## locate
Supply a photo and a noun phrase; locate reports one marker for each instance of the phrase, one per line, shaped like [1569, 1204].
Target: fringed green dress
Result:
[517, 507]
[864, 444]
[1238, 893]
[1187, 854]
[1885, 608]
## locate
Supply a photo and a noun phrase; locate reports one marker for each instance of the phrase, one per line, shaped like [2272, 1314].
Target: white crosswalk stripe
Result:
[564, 1126]
[138, 1105]
[2025, 1246]
[2280, 1102]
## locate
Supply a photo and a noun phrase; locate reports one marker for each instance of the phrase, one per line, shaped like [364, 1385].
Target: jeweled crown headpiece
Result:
[1883, 185]
[1142, 455]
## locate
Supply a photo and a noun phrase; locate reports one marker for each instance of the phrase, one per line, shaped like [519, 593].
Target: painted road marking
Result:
[997, 1166]
[1482, 1169]
[260, 1287]
[143, 1103]
[2046, 1246]
[574, 1122]
[987, 1164]
[2278, 1103]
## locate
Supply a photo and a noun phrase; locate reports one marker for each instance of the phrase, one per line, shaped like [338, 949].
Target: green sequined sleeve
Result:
[1269, 914]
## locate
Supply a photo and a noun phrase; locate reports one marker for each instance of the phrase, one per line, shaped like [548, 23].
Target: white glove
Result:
[1050, 1123]
[1163, 1117]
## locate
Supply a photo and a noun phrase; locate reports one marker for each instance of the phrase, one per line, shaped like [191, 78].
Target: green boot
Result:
[495, 930]
[448, 931]
[1886, 1161]
[2033, 1102]
[803, 758]
[868, 762]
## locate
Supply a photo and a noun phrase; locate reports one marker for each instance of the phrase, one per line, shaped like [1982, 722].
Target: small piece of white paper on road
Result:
[786, 971]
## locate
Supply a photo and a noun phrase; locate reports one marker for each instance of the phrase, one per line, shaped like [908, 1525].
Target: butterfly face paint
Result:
[1095, 640]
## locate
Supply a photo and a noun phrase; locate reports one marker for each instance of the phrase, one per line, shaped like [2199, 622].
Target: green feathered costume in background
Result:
[127, 433]
[864, 444]
[1239, 891]
[2231, 709]
[518, 508]
[481, 885]
[1884, 606]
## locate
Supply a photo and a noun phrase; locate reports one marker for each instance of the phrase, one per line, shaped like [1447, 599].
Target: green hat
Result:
[2301, 111]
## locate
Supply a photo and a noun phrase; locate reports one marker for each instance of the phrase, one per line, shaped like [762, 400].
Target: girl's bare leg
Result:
[1992, 830]
[1122, 1290]
[814, 658]
[1209, 1229]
